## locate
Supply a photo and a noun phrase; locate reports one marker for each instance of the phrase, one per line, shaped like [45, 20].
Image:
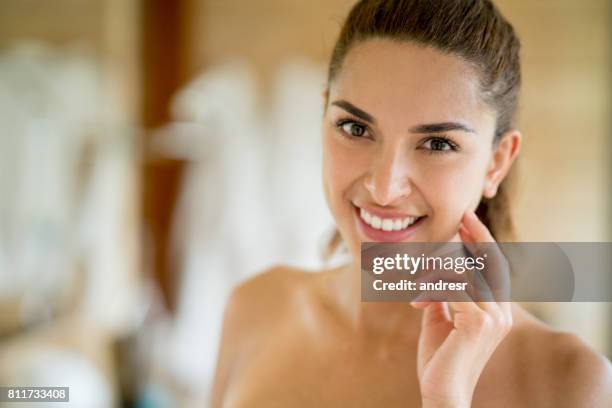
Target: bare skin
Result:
[288, 342]
[406, 136]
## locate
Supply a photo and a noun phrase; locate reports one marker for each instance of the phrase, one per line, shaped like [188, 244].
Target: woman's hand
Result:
[454, 348]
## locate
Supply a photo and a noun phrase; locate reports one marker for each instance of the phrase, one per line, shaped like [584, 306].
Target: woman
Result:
[418, 138]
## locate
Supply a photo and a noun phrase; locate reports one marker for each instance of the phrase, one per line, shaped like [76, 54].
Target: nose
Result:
[388, 180]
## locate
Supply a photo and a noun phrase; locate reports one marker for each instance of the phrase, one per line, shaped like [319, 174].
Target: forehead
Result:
[391, 79]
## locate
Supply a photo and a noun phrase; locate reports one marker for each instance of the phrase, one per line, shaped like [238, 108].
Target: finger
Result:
[424, 298]
[454, 283]
[436, 324]
[506, 308]
[420, 302]
[464, 303]
[474, 234]
[436, 313]
[480, 289]
[479, 241]
[476, 228]
[471, 316]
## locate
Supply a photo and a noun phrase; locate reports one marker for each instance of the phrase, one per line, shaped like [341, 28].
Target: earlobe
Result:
[490, 188]
[490, 191]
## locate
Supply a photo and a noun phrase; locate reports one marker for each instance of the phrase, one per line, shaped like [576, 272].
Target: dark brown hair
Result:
[473, 30]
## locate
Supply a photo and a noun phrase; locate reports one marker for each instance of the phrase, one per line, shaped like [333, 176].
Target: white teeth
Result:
[376, 222]
[407, 221]
[386, 224]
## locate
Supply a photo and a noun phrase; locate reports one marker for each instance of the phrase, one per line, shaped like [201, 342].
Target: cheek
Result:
[454, 187]
[342, 169]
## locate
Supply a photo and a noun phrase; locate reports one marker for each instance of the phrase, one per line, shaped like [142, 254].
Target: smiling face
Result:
[407, 144]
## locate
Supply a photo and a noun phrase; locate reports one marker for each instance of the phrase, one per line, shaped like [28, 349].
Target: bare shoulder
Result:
[252, 309]
[563, 369]
[583, 376]
[276, 277]
[258, 302]
[266, 291]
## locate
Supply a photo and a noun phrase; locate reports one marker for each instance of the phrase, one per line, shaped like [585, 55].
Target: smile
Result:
[386, 224]
[390, 227]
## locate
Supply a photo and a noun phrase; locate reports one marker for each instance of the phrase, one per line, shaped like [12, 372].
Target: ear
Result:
[506, 151]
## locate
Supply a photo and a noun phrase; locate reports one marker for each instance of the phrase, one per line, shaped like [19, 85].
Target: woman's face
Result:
[407, 144]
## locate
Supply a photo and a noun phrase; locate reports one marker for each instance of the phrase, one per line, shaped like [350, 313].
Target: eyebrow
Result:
[441, 127]
[352, 109]
[424, 128]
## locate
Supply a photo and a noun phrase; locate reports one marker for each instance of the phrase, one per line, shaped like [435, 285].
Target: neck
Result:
[345, 285]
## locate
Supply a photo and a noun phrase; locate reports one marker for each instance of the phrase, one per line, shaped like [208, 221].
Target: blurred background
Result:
[153, 153]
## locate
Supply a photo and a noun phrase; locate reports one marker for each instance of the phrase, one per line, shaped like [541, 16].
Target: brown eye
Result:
[439, 144]
[353, 129]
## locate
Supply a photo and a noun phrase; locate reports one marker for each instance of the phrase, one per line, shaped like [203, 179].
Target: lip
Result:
[376, 235]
